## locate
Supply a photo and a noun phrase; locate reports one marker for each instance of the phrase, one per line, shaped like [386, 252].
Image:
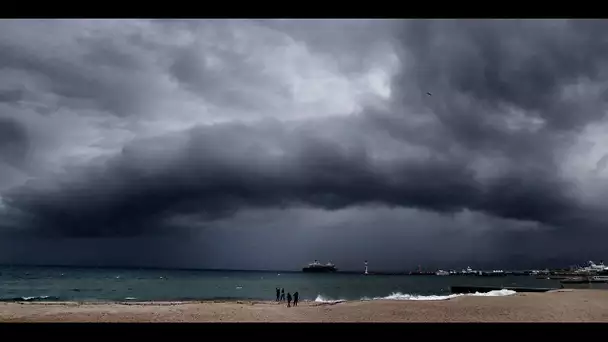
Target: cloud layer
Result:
[138, 128]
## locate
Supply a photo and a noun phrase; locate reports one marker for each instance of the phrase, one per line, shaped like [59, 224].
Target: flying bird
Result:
[429, 94]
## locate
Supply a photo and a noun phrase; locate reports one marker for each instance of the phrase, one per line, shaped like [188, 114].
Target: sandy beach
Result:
[557, 306]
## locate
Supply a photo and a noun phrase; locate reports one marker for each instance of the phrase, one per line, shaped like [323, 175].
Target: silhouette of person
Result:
[282, 295]
[278, 294]
[296, 296]
[288, 299]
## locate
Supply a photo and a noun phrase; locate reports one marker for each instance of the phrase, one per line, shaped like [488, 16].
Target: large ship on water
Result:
[317, 267]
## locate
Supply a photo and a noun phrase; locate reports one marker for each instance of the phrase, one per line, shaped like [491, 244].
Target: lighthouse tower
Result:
[366, 267]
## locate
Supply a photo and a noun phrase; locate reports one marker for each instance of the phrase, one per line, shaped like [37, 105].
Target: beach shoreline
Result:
[554, 306]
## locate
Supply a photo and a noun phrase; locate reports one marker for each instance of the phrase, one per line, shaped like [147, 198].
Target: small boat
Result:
[442, 273]
[585, 282]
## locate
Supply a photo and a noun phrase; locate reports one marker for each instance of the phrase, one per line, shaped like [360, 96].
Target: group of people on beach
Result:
[281, 297]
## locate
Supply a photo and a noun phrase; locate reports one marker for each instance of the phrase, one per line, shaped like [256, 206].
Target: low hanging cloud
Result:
[134, 128]
[215, 171]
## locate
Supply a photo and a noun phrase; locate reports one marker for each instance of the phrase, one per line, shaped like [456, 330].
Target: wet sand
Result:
[556, 306]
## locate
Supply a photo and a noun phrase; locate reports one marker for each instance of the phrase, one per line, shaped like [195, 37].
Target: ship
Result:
[442, 273]
[316, 267]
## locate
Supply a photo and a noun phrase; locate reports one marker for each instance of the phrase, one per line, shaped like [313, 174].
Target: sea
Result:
[21, 283]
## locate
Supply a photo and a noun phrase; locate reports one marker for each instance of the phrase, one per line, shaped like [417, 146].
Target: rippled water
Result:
[65, 283]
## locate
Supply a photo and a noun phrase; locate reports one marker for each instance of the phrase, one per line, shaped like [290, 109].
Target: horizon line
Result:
[404, 272]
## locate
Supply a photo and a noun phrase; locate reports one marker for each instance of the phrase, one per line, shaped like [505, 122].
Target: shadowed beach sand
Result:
[557, 306]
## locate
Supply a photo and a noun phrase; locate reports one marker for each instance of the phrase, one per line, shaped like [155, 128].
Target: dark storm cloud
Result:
[498, 65]
[483, 73]
[218, 84]
[85, 73]
[14, 142]
[216, 170]
[357, 38]
[11, 95]
[510, 93]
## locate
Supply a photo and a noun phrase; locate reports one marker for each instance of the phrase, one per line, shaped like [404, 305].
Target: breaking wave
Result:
[401, 296]
[494, 293]
[321, 299]
[30, 299]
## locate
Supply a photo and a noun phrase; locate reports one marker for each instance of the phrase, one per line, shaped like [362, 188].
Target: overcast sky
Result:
[266, 144]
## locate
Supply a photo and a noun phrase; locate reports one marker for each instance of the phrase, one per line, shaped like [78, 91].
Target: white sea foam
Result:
[321, 299]
[35, 298]
[494, 293]
[401, 296]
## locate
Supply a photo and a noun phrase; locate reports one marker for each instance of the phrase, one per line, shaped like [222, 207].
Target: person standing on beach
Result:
[278, 294]
[282, 295]
[288, 299]
[296, 296]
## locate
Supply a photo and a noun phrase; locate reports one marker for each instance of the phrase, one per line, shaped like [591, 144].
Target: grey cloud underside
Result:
[419, 151]
[214, 171]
